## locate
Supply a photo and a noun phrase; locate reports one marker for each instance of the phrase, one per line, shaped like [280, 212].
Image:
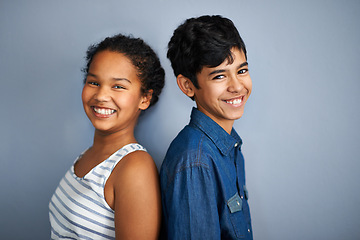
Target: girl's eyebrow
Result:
[115, 79]
[122, 79]
[91, 75]
[222, 70]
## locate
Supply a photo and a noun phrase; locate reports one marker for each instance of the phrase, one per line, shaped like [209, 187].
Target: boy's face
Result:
[224, 90]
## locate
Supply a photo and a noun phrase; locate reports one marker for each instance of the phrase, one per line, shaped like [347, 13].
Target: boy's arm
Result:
[190, 206]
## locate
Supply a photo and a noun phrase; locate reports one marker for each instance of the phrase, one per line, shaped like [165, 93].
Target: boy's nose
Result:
[235, 84]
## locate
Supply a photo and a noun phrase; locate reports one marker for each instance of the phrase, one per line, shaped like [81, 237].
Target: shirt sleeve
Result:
[190, 210]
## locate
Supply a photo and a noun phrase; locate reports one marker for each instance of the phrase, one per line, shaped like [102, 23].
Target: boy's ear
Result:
[145, 101]
[185, 85]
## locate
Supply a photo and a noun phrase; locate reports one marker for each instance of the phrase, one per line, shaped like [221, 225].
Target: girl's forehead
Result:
[113, 65]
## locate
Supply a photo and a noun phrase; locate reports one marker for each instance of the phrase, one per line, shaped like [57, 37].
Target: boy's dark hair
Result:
[203, 41]
[145, 60]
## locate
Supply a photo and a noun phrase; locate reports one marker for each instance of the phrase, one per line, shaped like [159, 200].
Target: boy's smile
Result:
[224, 90]
[235, 101]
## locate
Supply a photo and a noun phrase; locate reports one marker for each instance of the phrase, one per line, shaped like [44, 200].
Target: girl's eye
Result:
[93, 83]
[242, 71]
[119, 87]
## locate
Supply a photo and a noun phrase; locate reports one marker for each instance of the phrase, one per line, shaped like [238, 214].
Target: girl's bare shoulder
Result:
[137, 166]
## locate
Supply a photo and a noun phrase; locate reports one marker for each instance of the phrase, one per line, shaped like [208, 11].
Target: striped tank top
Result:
[78, 209]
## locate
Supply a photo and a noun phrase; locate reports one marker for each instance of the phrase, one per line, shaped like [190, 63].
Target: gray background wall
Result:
[300, 128]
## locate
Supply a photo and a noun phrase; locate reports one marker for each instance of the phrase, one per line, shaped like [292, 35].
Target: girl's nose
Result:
[102, 95]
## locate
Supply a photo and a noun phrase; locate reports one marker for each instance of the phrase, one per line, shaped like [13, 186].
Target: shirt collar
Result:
[223, 141]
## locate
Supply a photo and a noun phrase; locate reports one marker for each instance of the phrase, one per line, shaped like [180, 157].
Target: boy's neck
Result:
[226, 125]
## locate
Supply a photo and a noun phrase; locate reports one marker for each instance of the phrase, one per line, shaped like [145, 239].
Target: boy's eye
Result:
[242, 71]
[219, 77]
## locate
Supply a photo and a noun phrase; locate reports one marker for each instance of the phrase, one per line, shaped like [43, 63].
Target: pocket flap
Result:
[235, 203]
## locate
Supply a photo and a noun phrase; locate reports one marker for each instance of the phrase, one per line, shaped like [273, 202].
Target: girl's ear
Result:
[185, 85]
[146, 98]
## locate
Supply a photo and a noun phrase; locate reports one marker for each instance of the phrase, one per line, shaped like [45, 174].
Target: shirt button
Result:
[249, 230]
[236, 144]
[238, 203]
[241, 197]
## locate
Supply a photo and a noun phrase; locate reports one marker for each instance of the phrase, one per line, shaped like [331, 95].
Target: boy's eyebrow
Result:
[116, 79]
[222, 70]
[243, 64]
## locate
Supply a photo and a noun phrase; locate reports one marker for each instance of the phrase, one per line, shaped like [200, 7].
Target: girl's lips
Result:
[103, 112]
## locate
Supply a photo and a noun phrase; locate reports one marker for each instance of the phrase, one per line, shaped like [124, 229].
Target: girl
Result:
[112, 190]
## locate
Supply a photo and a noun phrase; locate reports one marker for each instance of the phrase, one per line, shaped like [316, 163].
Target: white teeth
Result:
[104, 111]
[236, 101]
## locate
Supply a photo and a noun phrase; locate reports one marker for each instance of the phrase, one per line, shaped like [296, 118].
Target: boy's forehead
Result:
[228, 60]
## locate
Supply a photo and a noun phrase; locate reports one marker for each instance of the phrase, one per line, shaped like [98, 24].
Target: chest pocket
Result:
[235, 203]
[237, 216]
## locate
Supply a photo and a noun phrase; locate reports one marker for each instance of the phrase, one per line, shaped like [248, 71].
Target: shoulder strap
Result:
[111, 162]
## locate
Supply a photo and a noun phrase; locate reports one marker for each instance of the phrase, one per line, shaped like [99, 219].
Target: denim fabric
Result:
[203, 184]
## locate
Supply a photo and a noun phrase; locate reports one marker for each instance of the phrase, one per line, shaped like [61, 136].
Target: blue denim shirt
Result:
[203, 184]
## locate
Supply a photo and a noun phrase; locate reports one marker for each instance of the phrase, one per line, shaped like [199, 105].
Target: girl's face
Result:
[112, 96]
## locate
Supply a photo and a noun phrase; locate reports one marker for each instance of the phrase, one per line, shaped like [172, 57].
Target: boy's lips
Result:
[235, 101]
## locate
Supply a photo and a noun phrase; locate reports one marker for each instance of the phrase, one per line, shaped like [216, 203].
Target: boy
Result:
[202, 176]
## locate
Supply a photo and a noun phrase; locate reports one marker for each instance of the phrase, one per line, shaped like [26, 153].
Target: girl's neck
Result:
[112, 142]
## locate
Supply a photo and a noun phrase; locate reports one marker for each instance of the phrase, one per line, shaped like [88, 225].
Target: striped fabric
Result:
[78, 209]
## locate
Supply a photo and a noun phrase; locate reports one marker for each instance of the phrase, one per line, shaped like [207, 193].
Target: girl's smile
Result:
[103, 112]
[112, 96]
